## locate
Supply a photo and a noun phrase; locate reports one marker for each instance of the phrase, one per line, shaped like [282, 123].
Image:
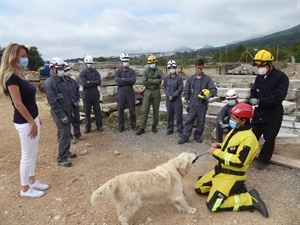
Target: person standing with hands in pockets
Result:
[22, 94]
[173, 87]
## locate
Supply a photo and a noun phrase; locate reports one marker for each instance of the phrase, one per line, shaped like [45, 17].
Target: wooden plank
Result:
[285, 161]
[288, 150]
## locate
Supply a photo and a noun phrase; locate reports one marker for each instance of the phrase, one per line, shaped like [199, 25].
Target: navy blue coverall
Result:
[173, 87]
[271, 91]
[90, 80]
[75, 96]
[125, 78]
[59, 100]
[223, 117]
[197, 106]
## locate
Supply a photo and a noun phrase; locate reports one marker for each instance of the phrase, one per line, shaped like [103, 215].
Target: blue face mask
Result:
[152, 66]
[232, 124]
[89, 65]
[231, 102]
[60, 73]
[23, 62]
[125, 64]
[67, 73]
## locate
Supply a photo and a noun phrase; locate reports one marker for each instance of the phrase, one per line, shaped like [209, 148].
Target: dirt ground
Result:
[67, 200]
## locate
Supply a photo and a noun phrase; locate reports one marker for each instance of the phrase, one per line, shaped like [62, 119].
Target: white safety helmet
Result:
[88, 59]
[57, 62]
[231, 94]
[172, 63]
[124, 57]
[67, 67]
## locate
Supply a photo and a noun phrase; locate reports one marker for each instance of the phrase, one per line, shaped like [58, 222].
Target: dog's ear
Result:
[183, 163]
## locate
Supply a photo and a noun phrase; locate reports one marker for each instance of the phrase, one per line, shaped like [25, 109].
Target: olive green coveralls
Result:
[152, 79]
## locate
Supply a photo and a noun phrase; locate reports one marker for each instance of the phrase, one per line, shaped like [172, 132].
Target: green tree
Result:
[35, 59]
[295, 51]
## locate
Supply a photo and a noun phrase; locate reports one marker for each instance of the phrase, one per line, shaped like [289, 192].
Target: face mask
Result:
[23, 62]
[125, 64]
[262, 70]
[67, 73]
[198, 71]
[89, 65]
[152, 66]
[172, 71]
[231, 102]
[232, 124]
[60, 73]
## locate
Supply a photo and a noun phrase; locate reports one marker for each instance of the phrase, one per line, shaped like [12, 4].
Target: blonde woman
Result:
[26, 120]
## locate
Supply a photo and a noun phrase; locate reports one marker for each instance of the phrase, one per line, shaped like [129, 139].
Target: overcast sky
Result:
[72, 29]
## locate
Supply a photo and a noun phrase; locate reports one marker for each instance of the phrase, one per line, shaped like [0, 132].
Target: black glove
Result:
[159, 76]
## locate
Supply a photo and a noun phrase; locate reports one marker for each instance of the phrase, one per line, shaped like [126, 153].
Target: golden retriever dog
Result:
[164, 183]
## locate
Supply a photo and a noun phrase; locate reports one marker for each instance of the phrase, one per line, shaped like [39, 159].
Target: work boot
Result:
[261, 166]
[182, 140]
[154, 129]
[198, 139]
[258, 203]
[140, 131]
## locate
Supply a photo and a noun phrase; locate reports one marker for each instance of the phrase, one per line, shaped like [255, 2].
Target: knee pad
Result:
[216, 200]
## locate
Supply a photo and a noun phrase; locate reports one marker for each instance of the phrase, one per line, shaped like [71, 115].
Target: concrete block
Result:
[289, 107]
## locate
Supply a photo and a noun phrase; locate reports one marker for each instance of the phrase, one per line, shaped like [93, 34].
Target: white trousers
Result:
[29, 149]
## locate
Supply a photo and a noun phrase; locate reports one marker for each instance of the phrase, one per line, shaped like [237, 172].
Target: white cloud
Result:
[71, 29]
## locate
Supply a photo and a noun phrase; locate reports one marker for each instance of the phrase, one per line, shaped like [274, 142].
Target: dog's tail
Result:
[103, 193]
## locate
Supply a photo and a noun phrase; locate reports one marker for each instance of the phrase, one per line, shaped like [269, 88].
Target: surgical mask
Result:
[89, 65]
[60, 73]
[232, 124]
[199, 71]
[172, 71]
[67, 73]
[125, 64]
[262, 70]
[152, 66]
[231, 102]
[23, 62]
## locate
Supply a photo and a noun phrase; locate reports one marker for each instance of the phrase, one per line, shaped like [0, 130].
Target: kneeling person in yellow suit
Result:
[225, 183]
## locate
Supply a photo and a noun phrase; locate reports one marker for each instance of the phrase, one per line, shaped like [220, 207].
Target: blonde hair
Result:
[8, 64]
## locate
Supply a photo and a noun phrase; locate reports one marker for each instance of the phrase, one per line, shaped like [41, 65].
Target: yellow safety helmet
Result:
[262, 56]
[204, 93]
[151, 59]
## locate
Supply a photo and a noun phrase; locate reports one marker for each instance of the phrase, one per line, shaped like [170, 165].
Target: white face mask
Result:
[67, 73]
[262, 70]
[231, 102]
[125, 64]
[60, 73]
[89, 65]
[152, 66]
[172, 71]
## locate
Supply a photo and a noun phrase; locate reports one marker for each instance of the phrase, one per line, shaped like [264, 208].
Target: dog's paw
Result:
[192, 210]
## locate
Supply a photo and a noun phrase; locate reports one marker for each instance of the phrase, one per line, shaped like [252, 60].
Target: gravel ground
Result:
[67, 200]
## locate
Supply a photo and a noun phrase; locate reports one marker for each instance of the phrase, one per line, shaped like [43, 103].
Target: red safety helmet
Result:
[242, 110]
